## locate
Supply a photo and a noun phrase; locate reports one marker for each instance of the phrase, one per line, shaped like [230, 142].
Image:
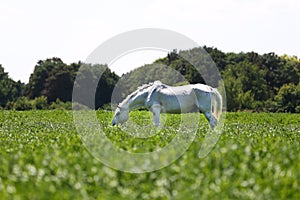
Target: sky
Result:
[34, 30]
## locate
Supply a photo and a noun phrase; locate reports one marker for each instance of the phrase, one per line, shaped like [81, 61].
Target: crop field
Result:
[43, 157]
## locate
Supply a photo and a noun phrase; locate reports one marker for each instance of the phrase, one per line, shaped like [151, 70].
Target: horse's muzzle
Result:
[113, 123]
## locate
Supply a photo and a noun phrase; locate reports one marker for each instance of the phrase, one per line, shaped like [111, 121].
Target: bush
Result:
[288, 98]
[9, 105]
[60, 105]
[23, 103]
[107, 107]
[78, 106]
[40, 103]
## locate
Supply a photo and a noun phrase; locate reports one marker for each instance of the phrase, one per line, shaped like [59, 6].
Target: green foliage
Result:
[52, 78]
[23, 103]
[59, 86]
[43, 157]
[9, 89]
[252, 81]
[43, 71]
[288, 98]
[78, 106]
[89, 76]
[60, 105]
[40, 103]
[245, 86]
[217, 56]
[55, 80]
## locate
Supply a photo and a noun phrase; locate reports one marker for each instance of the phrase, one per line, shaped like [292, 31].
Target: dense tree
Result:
[9, 89]
[288, 98]
[217, 56]
[42, 71]
[105, 87]
[59, 85]
[289, 71]
[245, 85]
[54, 79]
[97, 80]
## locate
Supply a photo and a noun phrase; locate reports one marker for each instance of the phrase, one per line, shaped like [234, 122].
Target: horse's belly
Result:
[180, 104]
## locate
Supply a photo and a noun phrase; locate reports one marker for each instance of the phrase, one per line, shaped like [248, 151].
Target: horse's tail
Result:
[216, 104]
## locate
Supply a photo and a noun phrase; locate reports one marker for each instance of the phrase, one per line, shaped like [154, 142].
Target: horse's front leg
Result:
[212, 120]
[155, 109]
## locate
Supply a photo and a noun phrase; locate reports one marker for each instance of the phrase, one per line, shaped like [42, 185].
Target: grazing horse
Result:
[160, 98]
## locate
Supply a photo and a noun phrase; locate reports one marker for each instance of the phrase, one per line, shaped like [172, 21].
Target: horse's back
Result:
[202, 87]
[177, 99]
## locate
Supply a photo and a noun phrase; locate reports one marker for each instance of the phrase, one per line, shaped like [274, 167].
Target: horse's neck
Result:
[138, 100]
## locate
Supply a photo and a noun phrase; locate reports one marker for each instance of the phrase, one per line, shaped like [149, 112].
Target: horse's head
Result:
[121, 115]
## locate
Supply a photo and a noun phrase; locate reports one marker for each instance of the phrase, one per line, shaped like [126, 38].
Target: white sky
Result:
[33, 30]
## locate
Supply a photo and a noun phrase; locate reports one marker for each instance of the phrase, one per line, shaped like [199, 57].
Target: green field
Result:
[43, 157]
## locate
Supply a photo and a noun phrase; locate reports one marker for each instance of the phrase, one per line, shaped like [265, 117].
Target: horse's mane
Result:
[139, 89]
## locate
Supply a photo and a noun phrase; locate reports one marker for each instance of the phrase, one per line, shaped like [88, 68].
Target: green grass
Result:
[42, 157]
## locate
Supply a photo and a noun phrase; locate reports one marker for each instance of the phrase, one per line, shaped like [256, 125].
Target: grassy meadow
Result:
[42, 157]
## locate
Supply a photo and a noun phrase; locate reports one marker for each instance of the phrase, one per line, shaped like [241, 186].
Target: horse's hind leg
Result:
[211, 119]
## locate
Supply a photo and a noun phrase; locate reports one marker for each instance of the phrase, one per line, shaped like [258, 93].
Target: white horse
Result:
[161, 98]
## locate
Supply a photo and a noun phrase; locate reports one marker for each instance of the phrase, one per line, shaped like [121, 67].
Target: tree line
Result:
[51, 84]
[252, 81]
